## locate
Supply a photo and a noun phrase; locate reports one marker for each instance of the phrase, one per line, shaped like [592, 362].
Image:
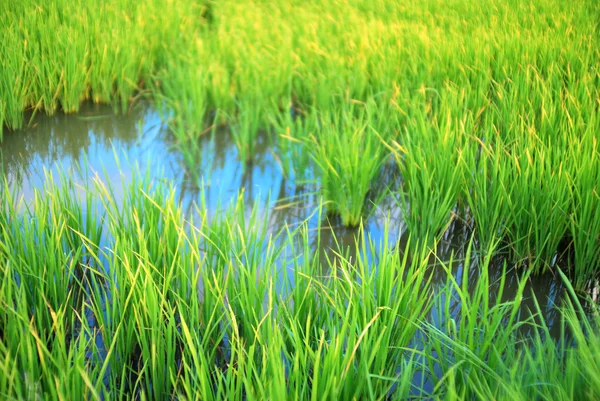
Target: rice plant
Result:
[584, 227]
[430, 160]
[129, 319]
[348, 154]
[486, 190]
[539, 202]
[495, 348]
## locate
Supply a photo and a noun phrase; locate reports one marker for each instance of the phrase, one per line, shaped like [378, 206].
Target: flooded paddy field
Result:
[97, 176]
[326, 200]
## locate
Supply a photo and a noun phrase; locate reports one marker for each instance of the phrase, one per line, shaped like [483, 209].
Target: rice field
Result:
[483, 114]
[145, 303]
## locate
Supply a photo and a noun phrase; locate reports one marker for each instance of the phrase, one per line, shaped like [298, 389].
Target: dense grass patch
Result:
[489, 109]
[491, 105]
[138, 301]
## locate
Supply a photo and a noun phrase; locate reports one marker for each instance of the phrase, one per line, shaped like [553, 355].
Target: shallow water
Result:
[114, 146]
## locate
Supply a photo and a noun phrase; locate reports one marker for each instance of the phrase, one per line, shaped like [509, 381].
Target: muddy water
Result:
[99, 141]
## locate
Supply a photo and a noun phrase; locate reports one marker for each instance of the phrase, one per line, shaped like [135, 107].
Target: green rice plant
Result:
[14, 82]
[484, 325]
[486, 190]
[521, 360]
[149, 333]
[249, 254]
[62, 53]
[292, 132]
[309, 53]
[73, 79]
[245, 128]
[540, 198]
[253, 59]
[470, 343]
[216, 306]
[582, 366]
[180, 92]
[384, 113]
[348, 154]
[430, 162]
[43, 292]
[584, 221]
[42, 365]
[46, 272]
[375, 310]
[151, 278]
